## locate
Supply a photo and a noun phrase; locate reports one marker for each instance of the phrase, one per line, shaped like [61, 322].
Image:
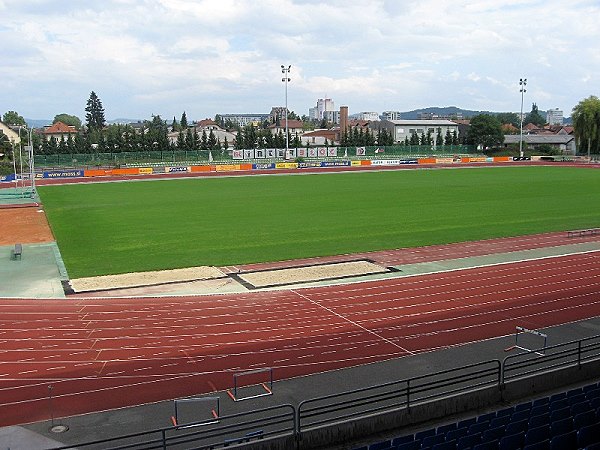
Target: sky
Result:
[207, 57]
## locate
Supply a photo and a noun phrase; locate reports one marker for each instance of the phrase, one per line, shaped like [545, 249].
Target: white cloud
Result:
[210, 56]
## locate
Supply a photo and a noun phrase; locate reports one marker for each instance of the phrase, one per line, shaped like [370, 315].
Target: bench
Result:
[17, 251]
[585, 232]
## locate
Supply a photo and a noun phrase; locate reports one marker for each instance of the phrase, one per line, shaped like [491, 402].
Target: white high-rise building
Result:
[390, 115]
[554, 117]
[323, 105]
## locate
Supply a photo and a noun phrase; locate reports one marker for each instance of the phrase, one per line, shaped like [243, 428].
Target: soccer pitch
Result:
[109, 228]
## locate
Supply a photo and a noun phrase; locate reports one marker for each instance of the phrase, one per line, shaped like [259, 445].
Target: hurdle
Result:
[522, 330]
[186, 407]
[251, 384]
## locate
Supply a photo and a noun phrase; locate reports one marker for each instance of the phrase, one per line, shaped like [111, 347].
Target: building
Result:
[436, 116]
[323, 105]
[390, 115]
[59, 131]
[245, 119]
[403, 129]
[554, 117]
[320, 137]
[332, 116]
[294, 127]
[565, 143]
[366, 115]
[12, 135]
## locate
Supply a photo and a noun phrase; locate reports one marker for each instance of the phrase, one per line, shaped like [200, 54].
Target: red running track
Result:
[99, 354]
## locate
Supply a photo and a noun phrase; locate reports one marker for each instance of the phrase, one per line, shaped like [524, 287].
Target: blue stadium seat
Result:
[467, 422]
[588, 435]
[593, 393]
[559, 404]
[516, 427]
[512, 441]
[585, 418]
[414, 445]
[526, 406]
[468, 441]
[537, 434]
[490, 445]
[589, 387]
[493, 434]
[564, 441]
[479, 427]
[457, 434]
[446, 428]
[423, 434]
[561, 426]
[542, 445]
[595, 446]
[486, 417]
[581, 407]
[505, 411]
[448, 445]
[381, 445]
[539, 420]
[364, 447]
[402, 439]
[520, 415]
[576, 399]
[499, 421]
[540, 409]
[558, 396]
[559, 414]
[430, 441]
[574, 391]
[540, 402]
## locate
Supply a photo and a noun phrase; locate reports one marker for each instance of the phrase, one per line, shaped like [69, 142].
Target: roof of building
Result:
[206, 123]
[292, 123]
[423, 122]
[60, 128]
[539, 138]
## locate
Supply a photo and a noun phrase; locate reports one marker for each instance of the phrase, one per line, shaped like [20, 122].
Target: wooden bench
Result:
[17, 251]
[585, 232]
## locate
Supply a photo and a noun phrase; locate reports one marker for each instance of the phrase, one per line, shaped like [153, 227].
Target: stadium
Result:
[331, 306]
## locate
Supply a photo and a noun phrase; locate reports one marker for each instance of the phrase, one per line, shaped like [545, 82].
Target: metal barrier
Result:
[395, 395]
[232, 429]
[289, 421]
[568, 354]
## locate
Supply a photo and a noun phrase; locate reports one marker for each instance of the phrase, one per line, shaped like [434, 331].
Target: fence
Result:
[194, 156]
[288, 423]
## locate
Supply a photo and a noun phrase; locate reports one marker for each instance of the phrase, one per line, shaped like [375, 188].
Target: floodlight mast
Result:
[522, 83]
[286, 79]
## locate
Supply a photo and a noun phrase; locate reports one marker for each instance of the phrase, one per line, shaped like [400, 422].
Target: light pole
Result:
[286, 79]
[522, 83]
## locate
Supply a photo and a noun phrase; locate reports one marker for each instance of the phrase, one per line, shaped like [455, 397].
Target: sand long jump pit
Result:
[269, 278]
[149, 283]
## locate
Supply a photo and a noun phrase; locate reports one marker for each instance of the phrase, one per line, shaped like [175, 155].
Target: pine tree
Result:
[94, 113]
[183, 122]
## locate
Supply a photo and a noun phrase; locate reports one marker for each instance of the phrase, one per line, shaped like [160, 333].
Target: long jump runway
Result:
[88, 355]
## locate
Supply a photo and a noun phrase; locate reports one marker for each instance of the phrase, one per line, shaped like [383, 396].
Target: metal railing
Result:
[286, 420]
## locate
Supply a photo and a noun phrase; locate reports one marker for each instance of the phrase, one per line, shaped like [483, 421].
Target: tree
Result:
[94, 116]
[586, 121]
[68, 119]
[485, 130]
[534, 117]
[509, 118]
[183, 122]
[13, 118]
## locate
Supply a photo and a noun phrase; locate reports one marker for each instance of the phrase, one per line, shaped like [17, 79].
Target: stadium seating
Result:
[567, 420]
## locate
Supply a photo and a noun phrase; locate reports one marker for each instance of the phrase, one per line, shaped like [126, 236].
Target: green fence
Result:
[203, 156]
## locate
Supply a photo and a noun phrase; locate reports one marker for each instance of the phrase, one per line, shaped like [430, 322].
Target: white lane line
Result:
[352, 322]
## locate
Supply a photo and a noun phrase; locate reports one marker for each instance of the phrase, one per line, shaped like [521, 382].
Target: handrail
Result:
[272, 421]
[287, 420]
[396, 395]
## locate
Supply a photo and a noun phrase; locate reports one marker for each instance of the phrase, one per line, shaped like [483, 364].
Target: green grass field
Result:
[113, 228]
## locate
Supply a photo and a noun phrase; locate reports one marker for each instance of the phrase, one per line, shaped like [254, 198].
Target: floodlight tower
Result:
[522, 83]
[286, 79]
